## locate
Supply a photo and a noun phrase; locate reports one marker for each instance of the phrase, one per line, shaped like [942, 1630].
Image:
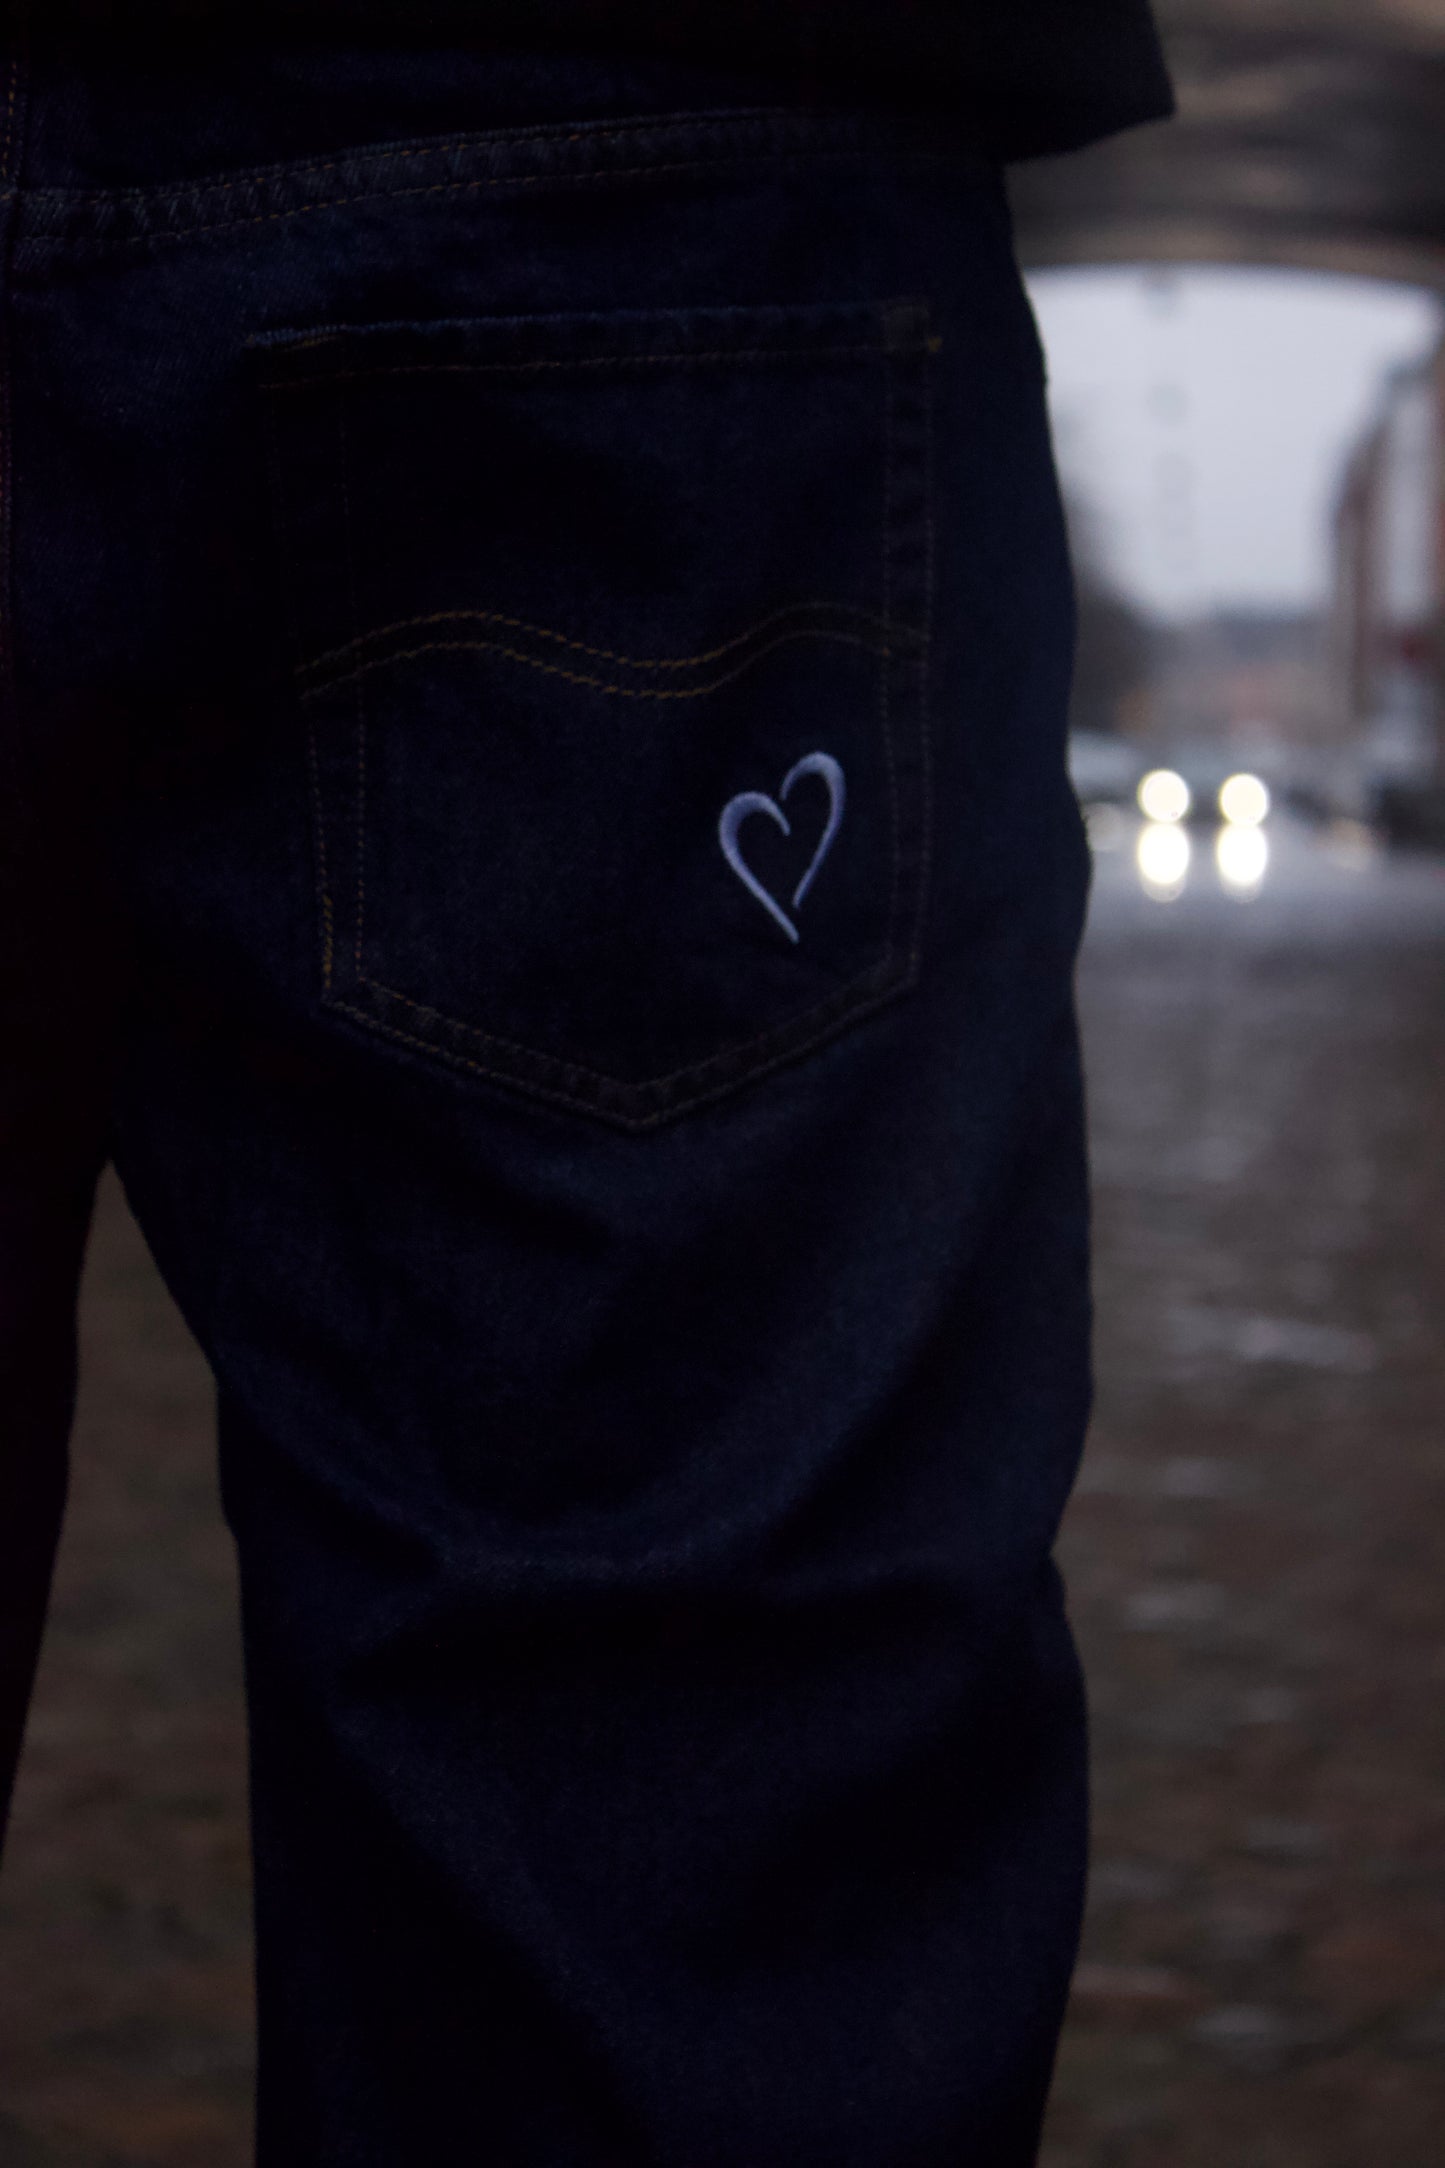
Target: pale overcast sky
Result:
[1204, 415]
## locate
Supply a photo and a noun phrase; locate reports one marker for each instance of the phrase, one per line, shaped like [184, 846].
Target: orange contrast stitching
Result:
[903, 633]
[837, 1006]
[602, 685]
[561, 1098]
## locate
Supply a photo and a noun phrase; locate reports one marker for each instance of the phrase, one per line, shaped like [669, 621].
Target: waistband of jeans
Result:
[561, 156]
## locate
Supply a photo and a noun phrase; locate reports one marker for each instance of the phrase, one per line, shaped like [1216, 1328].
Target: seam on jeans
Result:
[925, 879]
[868, 134]
[10, 118]
[343, 461]
[836, 1007]
[903, 634]
[501, 139]
[511, 180]
[636, 1123]
[360, 818]
[12, 813]
[257, 176]
[885, 691]
[598, 684]
[323, 883]
[684, 357]
[320, 874]
[20, 821]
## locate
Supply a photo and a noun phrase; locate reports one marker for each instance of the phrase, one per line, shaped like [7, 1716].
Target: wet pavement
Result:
[1257, 1549]
[1256, 1555]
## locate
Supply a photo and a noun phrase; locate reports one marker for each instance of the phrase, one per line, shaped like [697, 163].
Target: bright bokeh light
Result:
[1242, 856]
[1162, 854]
[1244, 801]
[1164, 796]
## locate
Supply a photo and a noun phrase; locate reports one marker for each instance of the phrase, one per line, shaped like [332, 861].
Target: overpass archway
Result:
[1309, 133]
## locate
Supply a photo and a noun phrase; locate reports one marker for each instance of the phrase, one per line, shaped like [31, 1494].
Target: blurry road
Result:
[125, 1962]
[1257, 1549]
[1256, 1553]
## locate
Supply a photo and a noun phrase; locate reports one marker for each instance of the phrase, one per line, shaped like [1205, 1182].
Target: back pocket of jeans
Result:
[610, 652]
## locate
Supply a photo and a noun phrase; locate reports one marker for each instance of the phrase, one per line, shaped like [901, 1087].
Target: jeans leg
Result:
[601, 1081]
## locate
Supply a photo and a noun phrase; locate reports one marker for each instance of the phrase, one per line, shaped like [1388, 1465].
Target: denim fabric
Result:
[538, 640]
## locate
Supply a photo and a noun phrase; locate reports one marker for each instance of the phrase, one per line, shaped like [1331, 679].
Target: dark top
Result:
[1028, 76]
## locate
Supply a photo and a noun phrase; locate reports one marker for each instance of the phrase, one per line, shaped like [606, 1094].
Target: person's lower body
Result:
[541, 592]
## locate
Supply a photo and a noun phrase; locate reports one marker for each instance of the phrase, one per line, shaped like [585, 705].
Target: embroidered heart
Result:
[737, 810]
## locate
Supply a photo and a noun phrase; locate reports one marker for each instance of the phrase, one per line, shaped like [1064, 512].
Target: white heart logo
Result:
[736, 811]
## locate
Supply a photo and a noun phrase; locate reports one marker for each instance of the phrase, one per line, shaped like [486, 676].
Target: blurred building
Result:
[1309, 133]
[1245, 677]
[1115, 661]
[1387, 625]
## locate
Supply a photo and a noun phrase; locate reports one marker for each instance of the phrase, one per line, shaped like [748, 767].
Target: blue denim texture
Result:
[651, 1349]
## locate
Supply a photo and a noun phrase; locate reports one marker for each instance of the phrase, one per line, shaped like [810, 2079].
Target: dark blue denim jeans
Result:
[538, 635]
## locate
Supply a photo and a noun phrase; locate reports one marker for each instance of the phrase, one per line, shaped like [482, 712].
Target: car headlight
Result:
[1244, 801]
[1164, 796]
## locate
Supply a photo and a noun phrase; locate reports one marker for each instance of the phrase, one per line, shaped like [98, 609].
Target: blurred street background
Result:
[1246, 342]
[1255, 1548]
